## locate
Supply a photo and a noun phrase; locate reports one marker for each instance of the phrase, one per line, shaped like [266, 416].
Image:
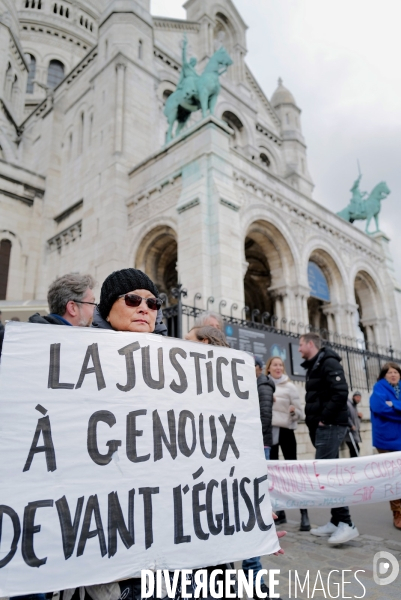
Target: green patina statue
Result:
[195, 92]
[361, 208]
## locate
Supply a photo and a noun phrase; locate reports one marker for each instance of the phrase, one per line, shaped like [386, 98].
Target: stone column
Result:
[301, 295]
[120, 94]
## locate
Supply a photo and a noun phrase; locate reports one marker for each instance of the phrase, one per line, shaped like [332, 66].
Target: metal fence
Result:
[361, 361]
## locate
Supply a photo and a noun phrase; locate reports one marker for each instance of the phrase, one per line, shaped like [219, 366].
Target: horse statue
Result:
[195, 91]
[361, 208]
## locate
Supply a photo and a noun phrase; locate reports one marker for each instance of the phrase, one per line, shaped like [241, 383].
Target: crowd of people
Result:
[129, 301]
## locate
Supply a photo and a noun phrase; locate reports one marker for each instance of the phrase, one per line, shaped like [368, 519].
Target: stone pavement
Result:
[305, 552]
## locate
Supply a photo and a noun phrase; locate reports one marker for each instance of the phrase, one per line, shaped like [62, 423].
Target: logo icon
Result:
[382, 561]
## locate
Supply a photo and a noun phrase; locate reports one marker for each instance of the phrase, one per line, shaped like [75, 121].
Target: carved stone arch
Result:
[270, 269]
[53, 54]
[223, 25]
[230, 115]
[256, 211]
[267, 158]
[371, 309]
[156, 256]
[228, 21]
[334, 314]
[165, 88]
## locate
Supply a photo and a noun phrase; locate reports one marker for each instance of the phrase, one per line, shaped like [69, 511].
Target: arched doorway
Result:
[369, 307]
[157, 257]
[327, 296]
[257, 279]
[319, 296]
[269, 272]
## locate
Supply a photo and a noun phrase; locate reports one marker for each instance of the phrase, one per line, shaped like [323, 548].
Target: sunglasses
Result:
[134, 301]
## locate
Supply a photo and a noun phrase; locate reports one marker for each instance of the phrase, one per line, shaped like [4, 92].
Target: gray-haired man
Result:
[71, 301]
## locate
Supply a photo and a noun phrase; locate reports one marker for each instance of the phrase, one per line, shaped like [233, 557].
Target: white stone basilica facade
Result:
[88, 184]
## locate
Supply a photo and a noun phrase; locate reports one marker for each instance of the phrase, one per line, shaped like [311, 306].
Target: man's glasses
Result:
[84, 302]
[134, 301]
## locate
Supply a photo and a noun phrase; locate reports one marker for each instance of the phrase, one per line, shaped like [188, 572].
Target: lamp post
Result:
[179, 292]
[255, 313]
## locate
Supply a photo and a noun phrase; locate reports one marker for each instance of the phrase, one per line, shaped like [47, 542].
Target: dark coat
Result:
[101, 323]
[46, 320]
[266, 390]
[353, 421]
[326, 391]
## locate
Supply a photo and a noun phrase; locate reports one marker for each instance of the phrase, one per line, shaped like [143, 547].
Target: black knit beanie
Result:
[122, 282]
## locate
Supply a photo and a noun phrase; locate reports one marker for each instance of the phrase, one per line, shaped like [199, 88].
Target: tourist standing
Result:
[385, 407]
[327, 420]
[287, 412]
[353, 437]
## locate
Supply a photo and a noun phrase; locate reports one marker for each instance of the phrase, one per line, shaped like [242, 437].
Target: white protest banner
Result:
[334, 482]
[122, 451]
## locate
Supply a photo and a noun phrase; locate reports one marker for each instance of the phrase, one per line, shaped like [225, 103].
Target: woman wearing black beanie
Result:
[129, 301]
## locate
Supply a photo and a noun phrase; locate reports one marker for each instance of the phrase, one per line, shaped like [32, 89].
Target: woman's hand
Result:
[292, 409]
[280, 534]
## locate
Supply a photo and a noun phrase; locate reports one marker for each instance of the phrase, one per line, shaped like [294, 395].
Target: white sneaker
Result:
[324, 530]
[344, 533]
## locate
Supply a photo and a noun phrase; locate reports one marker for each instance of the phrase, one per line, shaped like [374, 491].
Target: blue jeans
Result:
[254, 563]
[328, 440]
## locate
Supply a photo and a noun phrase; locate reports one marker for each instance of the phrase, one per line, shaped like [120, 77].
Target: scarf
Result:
[281, 379]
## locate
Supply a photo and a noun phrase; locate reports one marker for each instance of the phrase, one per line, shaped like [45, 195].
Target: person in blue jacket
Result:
[385, 407]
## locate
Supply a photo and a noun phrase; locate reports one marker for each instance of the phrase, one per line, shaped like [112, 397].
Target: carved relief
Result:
[152, 204]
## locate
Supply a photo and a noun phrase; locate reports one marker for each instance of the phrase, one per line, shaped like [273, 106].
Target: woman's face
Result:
[140, 319]
[276, 368]
[392, 376]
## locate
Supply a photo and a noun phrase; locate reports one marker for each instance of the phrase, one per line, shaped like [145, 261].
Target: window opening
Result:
[55, 73]
[31, 74]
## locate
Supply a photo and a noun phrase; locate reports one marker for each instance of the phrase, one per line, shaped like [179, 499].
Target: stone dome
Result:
[282, 96]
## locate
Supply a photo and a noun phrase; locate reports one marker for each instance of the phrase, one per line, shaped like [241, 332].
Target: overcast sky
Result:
[341, 60]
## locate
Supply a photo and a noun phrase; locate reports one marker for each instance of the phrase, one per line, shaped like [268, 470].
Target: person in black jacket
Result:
[266, 390]
[327, 420]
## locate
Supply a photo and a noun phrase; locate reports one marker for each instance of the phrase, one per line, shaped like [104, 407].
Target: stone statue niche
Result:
[195, 92]
[361, 208]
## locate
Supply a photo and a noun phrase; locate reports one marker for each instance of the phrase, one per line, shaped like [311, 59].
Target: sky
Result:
[341, 61]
